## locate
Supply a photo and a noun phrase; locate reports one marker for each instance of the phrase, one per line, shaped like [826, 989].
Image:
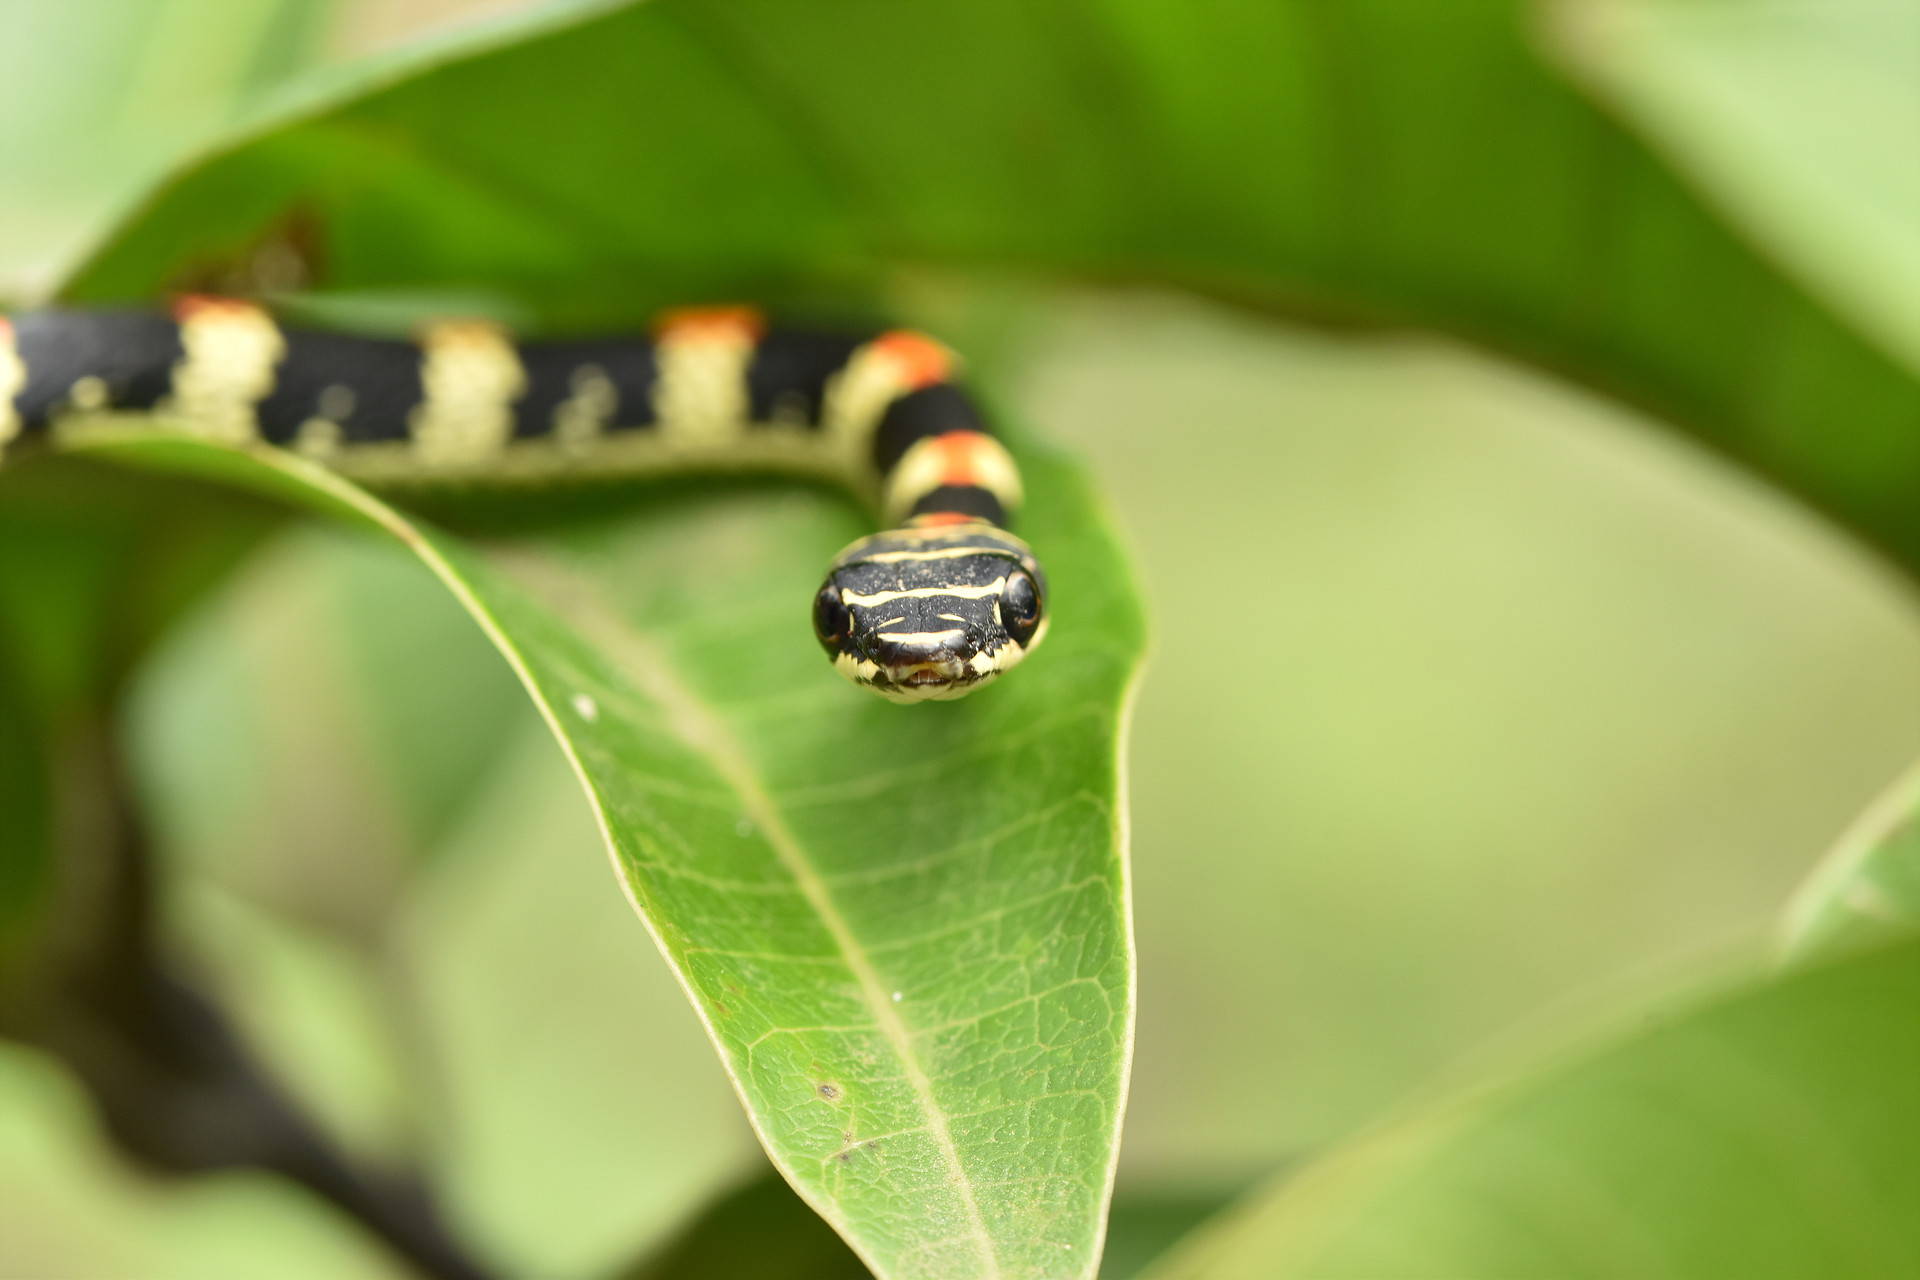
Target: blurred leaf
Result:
[314, 1012]
[762, 1230]
[765, 1231]
[69, 1205]
[26, 835]
[1143, 1226]
[1767, 1133]
[1410, 163]
[261, 764]
[99, 97]
[578, 1114]
[906, 933]
[1799, 118]
[438, 704]
[94, 564]
[1867, 887]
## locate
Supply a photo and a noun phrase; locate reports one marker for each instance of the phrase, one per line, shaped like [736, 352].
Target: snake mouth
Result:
[936, 680]
[922, 672]
[928, 681]
[928, 675]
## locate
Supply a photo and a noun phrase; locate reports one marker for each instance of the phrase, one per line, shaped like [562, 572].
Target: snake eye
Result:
[1020, 607]
[831, 621]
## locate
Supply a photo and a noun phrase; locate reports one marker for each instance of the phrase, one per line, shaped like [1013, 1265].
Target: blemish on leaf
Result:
[588, 709]
[831, 1092]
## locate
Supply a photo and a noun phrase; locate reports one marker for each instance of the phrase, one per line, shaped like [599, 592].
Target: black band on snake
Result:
[941, 603]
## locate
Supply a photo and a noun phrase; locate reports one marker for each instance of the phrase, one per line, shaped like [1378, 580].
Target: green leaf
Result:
[98, 100]
[1867, 886]
[1798, 118]
[1380, 161]
[760, 1229]
[1767, 1133]
[906, 933]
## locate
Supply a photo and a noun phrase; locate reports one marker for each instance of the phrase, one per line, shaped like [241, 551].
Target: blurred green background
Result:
[1480, 707]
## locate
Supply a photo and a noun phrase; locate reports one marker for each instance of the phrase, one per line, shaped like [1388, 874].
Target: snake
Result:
[943, 600]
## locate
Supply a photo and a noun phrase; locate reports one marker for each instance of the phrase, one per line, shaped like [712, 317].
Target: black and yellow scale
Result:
[941, 603]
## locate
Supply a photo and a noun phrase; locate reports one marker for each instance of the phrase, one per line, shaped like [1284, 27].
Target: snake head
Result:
[931, 612]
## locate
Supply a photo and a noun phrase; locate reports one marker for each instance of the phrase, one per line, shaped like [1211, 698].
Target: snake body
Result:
[942, 602]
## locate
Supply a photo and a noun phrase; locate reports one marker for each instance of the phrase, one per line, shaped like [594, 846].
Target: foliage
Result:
[1764, 1134]
[908, 936]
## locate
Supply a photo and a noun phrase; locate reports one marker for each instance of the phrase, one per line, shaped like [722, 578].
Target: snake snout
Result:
[947, 651]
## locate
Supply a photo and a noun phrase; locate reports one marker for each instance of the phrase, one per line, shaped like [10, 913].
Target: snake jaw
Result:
[939, 679]
[929, 615]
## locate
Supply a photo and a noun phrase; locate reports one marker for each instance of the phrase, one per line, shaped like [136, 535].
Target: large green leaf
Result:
[907, 934]
[1768, 1133]
[1401, 162]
